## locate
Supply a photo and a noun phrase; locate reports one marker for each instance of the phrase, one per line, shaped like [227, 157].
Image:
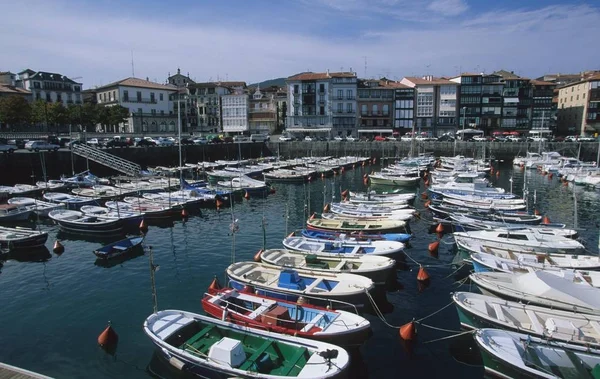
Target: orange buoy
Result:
[365, 176]
[312, 217]
[497, 174]
[108, 338]
[545, 220]
[536, 212]
[247, 196]
[345, 193]
[407, 331]
[424, 195]
[143, 227]
[272, 190]
[214, 285]
[326, 208]
[422, 275]
[426, 183]
[219, 204]
[550, 175]
[184, 214]
[566, 183]
[342, 169]
[434, 246]
[58, 247]
[257, 255]
[366, 181]
[427, 204]
[439, 228]
[491, 170]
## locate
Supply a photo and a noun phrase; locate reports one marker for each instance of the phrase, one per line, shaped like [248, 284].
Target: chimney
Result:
[328, 73]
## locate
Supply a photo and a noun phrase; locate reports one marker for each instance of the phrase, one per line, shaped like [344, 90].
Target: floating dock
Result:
[12, 372]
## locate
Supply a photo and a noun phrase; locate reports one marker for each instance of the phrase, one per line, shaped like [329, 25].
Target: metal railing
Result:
[107, 159]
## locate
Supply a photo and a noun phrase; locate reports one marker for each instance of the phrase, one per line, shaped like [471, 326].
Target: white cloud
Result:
[448, 7]
[97, 44]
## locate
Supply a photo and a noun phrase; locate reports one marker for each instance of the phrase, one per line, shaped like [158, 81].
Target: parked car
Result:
[285, 138]
[308, 138]
[379, 138]
[200, 141]
[587, 139]
[117, 143]
[19, 143]
[241, 138]
[446, 138]
[7, 148]
[63, 142]
[516, 139]
[94, 142]
[260, 137]
[537, 139]
[406, 137]
[479, 139]
[161, 141]
[501, 139]
[216, 140]
[391, 138]
[186, 141]
[227, 139]
[339, 138]
[41, 145]
[146, 142]
[571, 138]
[350, 138]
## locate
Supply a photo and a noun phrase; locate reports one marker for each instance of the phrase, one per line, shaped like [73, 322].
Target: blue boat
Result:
[119, 248]
[399, 237]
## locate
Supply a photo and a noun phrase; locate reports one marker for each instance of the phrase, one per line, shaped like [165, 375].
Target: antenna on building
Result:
[132, 66]
[365, 58]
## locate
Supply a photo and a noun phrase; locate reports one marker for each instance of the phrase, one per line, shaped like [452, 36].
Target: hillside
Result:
[279, 82]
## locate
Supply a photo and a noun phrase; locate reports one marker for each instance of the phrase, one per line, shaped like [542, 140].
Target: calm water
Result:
[54, 307]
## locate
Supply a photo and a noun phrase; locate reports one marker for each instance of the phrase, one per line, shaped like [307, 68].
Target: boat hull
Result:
[24, 243]
[90, 228]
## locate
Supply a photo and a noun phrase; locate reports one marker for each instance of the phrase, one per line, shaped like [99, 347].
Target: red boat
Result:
[285, 317]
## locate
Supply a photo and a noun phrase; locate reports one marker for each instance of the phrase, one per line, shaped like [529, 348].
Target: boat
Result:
[382, 226]
[520, 240]
[376, 268]
[246, 184]
[183, 197]
[342, 246]
[289, 176]
[393, 207]
[540, 288]
[53, 185]
[140, 187]
[446, 211]
[512, 355]
[337, 290]
[144, 202]
[150, 211]
[83, 179]
[22, 190]
[394, 180]
[373, 196]
[99, 191]
[78, 222]
[465, 222]
[477, 311]
[212, 348]
[355, 236]
[365, 216]
[488, 263]
[483, 205]
[566, 261]
[71, 201]
[131, 218]
[12, 212]
[290, 318]
[21, 238]
[119, 248]
[39, 207]
[372, 212]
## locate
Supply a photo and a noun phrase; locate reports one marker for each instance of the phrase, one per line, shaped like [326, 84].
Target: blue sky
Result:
[258, 40]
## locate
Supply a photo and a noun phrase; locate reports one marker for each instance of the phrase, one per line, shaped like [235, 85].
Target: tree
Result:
[90, 115]
[39, 112]
[103, 116]
[118, 114]
[57, 114]
[14, 110]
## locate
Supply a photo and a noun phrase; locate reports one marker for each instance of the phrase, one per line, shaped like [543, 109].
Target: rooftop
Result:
[584, 80]
[536, 82]
[428, 80]
[321, 75]
[140, 83]
[8, 89]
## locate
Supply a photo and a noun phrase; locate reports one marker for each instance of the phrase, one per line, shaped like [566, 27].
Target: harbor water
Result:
[53, 307]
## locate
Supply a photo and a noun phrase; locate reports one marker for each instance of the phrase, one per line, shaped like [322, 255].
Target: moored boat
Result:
[11, 212]
[39, 207]
[382, 226]
[119, 248]
[71, 201]
[520, 240]
[21, 238]
[356, 236]
[78, 222]
[342, 246]
[213, 348]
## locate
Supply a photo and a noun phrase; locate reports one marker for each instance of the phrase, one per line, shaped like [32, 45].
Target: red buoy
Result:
[434, 246]
[427, 204]
[536, 212]
[345, 193]
[58, 247]
[497, 174]
[545, 220]
[313, 216]
[214, 285]
[108, 338]
[219, 204]
[326, 208]
[366, 181]
[247, 196]
[491, 171]
[565, 183]
[424, 195]
[407, 331]
[257, 255]
[184, 214]
[272, 191]
[550, 175]
[439, 228]
[143, 227]
[422, 275]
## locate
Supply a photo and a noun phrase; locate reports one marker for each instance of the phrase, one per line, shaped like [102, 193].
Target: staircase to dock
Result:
[109, 160]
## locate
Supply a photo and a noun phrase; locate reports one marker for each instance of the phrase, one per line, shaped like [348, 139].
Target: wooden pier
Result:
[12, 372]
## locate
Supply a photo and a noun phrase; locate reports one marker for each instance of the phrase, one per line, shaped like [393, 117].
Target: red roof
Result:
[541, 83]
[141, 83]
[322, 75]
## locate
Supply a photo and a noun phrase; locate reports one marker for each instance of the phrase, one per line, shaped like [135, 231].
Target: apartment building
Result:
[579, 107]
[375, 102]
[436, 104]
[50, 87]
[149, 104]
[404, 107]
[322, 104]
[235, 107]
[262, 113]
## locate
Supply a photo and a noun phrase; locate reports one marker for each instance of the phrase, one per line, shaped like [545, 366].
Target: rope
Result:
[434, 313]
[442, 329]
[452, 336]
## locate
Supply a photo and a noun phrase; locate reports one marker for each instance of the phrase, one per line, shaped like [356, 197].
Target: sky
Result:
[258, 40]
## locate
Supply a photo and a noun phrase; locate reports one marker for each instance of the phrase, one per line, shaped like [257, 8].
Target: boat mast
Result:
[179, 137]
[153, 269]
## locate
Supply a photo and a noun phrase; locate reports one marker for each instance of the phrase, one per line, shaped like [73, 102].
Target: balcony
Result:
[350, 98]
[140, 101]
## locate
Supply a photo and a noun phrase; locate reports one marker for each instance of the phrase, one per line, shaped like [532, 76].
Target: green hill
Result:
[279, 82]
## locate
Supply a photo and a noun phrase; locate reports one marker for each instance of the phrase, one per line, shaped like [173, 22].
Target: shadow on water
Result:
[36, 254]
[464, 350]
[102, 239]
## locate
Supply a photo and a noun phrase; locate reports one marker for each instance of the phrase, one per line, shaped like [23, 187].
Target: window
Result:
[340, 107]
[340, 94]
[321, 110]
[114, 95]
[349, 94]
[125, 95]
[139, 96]
[386, 109]
[363, 109]
[153, 111]
[322, 87]
[349, 108]
[296, 89]
[140, 110]
[48, 98]
[375, 109]
[152, 98]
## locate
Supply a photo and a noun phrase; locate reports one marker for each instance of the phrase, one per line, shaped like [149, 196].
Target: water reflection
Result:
[36, 254]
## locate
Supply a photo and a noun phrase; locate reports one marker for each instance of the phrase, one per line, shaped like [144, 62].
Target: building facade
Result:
[404, 108]
[235, 112]
[436, 104]
[543, 106]
[321, 104]
[579, 107]
[375, 106]
[8, 86]
[262, 113]
[50, 87]
[149, 104]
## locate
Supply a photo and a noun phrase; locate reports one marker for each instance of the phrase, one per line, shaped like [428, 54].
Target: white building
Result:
[148, 103]
[235, 112]
[50, 87]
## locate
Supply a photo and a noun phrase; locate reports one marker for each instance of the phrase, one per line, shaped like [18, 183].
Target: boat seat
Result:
[289, 366]
[119, 247]
[248, 363]
[198, 335]
[535, 323]
[260, 310]
[499, 312]
[596, 326]
[312, 322]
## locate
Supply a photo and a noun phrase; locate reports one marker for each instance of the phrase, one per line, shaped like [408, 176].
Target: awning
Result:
[375, 130]
[309, 130]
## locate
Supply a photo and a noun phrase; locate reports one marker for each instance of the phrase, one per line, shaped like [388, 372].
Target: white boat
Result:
[376, 268]
[470, 184]
[21, 238]
[521, 161]
[477, 311]
[482, 199]
[244, 183]
[540, 288]
[139, 187]
[343, 246]
[368, 216]
[374, 197]
[346, 206]
[566, 261]
[154, 203]
[54, 185]
[342, 290]
[486, 205]
[11, 212]
[212, 348]
[550, 157]
[99, 191]
[394, 180]
[39, 207]
[149, 210]
[76, 221]
[71, 201]
[521, 240]
[512, 355]
[83, 179]
[187, 197]
[485, 262]
[113, 214]
[465, 222]
[24, 189]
